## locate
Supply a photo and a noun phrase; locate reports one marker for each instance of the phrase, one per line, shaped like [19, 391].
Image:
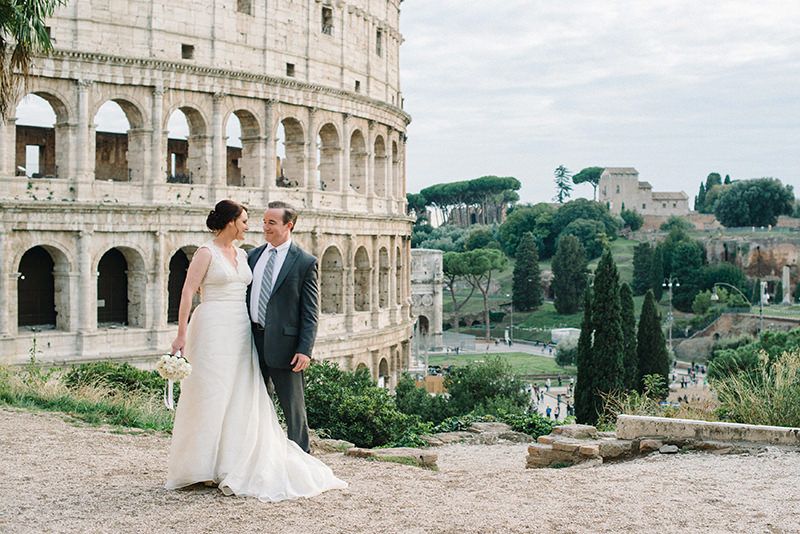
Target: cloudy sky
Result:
[675, 88]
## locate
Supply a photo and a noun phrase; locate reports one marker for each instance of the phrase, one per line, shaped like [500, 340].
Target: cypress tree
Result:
[642, 267]
[652, 354]
[657, 272]
[527, 284]
[629, 354]
[607, 347]
[700, 199]
[569, 274]
[584, 408]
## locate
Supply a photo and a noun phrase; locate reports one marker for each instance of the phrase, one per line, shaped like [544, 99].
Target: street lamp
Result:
[511, 324]
[762, 285]
[669, 283]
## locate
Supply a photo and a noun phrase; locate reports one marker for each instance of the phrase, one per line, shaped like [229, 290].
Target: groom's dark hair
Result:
[289, 213]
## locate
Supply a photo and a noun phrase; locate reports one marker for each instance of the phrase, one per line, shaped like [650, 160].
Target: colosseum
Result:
[149, 112]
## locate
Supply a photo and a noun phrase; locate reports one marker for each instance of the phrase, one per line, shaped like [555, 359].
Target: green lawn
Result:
[521, 363]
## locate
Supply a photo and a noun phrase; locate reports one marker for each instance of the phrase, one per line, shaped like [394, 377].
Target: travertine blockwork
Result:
[94, 248]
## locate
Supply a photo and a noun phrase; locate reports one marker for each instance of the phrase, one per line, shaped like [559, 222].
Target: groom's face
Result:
[276, 232]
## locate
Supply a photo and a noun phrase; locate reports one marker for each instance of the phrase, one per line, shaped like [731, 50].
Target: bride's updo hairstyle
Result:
[224, 212]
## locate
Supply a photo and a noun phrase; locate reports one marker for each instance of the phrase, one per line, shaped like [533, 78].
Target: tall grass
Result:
[35, 388]
[768, 395]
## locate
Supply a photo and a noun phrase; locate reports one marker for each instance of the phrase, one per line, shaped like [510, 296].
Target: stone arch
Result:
[187, 146]
[380, 159]
[291, 158]
[358, 162]
[243, 155]
[384, 378]
[119, 141]
[363, 287]
[423, 326]
[43, 290]
[178, 265]
[332, 281]
[383, 278]
[121, 287]
[329, 155]
[361, 366]
[41, 141]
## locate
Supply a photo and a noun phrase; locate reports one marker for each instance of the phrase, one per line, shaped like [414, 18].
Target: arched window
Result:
[290, 149]
[358, 163]
[39, 138]
[119, 151]
[398, 277]
[383, 374]
[178, 265]
[329, 157]
[187, 147]
[36, 289]
[383, 279]
[112, 288]
[243, 150]
[332, 281]
[363, 287]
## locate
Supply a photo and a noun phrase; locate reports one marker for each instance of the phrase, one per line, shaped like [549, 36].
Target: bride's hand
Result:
[178, 344]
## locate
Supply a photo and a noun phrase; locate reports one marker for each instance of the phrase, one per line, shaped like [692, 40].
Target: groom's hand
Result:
[300, 362]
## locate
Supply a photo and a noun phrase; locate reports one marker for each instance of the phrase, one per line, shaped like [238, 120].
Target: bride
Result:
[226, 432]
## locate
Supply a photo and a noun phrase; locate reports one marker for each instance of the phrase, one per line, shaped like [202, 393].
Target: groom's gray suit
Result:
[290, 328]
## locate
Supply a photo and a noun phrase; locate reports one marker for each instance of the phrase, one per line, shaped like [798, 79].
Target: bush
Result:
[484, 385]
[567, 352]
[533, 424]
[632, 219]
[412, 400]
[351, 407]
[115, 376]
[676, 223]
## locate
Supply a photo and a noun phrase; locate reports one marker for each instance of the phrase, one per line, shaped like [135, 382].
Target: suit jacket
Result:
[293, 307]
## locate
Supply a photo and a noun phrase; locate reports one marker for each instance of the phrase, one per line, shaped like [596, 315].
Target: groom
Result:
[283, 311]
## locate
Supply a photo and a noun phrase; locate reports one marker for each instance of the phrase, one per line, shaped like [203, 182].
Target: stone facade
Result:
[427, 286]
[93, 257]
[621, 185]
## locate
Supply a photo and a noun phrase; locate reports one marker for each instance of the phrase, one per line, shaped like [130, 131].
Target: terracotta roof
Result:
[661, 195]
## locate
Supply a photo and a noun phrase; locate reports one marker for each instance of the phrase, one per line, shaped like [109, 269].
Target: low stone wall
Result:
[636, 426]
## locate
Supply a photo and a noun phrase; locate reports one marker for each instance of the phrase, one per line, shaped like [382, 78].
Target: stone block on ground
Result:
[539, 449]
[545, 440]
[615, 448]
[454, 437]
[330, 445]
[515, 437]
[567, 444]
[668, 449]
[482, 428]
[650, 445]
[591, 450]
[405, 455]
[432, 440]
[576, 431]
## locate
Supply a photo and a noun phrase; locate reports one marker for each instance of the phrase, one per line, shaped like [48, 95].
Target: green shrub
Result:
[412, 400]
[533, 424]
[483, 384]
[351, 407]
[115, 376]
[567, 352]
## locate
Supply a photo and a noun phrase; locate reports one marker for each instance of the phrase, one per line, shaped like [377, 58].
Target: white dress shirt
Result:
[258, 274]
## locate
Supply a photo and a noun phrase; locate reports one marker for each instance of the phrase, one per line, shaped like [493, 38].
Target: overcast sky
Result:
[676, 89]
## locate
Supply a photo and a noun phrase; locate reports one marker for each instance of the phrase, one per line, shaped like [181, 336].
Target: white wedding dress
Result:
[226, 429]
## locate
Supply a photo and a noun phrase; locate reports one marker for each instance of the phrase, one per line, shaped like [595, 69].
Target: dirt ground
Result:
[58, 476]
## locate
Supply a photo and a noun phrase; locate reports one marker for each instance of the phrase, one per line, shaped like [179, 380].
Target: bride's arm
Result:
[194, 277]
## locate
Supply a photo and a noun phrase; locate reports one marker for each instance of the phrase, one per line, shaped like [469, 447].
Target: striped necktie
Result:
[266, 287]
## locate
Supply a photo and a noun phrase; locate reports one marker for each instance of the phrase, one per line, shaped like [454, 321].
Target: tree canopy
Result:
[589, 175]
[486, 192]
[527, 283]
[562, 178]
[756, 202]
[569, 274]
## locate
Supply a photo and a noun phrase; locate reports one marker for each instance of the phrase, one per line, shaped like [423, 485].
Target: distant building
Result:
[620, 187]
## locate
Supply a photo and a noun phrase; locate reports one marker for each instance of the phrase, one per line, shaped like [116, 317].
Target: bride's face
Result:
[238, 226]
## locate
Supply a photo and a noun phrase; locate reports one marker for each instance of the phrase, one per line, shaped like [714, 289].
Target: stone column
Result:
[375, 283]
[787, 286]
[6, 274]
[346, 190]
[87, 293]
[349, 285]
[8, 148]
[312, 165]
[393, 304]
[156, 173]
[159, 285]
[270, 151]
[218, 180]
[84, 169]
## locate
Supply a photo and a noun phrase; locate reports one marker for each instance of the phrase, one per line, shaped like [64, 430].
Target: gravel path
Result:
[58, 476]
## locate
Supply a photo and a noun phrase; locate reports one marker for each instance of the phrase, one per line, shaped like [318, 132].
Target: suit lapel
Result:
[288, 264]
[256, 253]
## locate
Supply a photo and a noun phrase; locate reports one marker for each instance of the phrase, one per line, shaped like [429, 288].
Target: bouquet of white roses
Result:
[172, 368]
